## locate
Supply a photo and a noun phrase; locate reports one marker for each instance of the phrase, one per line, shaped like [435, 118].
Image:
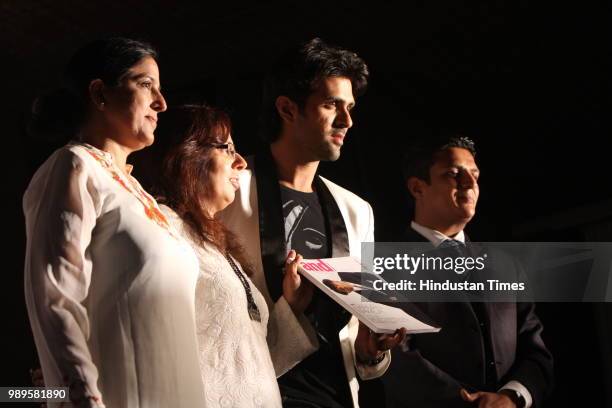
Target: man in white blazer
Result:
[283, 204]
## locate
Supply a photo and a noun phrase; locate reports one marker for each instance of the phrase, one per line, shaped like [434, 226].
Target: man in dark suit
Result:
[487, 354]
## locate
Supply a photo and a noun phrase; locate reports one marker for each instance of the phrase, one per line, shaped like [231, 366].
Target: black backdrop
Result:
[528, 81]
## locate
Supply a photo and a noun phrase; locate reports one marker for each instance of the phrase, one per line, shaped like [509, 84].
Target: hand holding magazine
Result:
[343, 280]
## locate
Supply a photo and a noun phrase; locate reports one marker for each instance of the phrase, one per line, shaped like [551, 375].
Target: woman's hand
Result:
[296, 291]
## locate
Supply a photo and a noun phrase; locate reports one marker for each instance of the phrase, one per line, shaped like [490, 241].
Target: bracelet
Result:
[515, 396]
[374, 361]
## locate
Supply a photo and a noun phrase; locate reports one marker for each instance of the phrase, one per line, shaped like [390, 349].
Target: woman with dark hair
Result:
[109, 285]
[201, 176]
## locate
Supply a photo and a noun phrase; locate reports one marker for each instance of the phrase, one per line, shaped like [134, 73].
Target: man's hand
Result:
[370, 346]
[483, 399]
[296, 291]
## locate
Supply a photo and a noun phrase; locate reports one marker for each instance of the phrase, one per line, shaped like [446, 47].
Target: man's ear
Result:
[415, 187]
[286, 108]
[96, 94]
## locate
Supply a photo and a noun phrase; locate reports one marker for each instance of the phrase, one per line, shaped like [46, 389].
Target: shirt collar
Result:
[435, 237]
[109, 157]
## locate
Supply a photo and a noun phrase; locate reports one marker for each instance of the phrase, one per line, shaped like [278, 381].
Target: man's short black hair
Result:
[418, 159]
[297, 73]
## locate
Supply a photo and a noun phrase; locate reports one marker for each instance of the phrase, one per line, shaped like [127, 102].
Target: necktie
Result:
[457, 247]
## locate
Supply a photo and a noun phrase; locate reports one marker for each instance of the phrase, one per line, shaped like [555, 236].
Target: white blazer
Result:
[292, 338]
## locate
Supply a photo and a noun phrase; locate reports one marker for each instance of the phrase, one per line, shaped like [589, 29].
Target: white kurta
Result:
[109, 289]
[235, 362]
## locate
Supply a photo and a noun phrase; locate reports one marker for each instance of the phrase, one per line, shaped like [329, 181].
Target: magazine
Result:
[344, 280]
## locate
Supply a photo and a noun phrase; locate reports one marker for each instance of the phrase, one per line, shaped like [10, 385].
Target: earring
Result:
[101, 105]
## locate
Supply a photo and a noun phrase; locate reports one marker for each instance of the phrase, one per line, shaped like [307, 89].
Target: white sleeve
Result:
[290, 338]
[61, 209]
[518, 387]
[366, 372]
[370, 233]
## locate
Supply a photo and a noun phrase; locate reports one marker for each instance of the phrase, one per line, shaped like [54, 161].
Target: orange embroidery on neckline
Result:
[151, 209]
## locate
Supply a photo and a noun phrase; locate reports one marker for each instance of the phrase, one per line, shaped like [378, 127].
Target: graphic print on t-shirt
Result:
[304, 223]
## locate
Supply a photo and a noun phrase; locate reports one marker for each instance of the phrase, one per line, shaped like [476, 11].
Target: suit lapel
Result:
[337, 228]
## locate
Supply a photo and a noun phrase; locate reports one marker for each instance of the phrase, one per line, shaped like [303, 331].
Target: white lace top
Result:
[235, 362]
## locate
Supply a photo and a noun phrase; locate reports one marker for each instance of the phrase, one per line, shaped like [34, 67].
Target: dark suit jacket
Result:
[436, 366]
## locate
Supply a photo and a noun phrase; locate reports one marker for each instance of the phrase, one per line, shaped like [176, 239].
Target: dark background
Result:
[529, 81]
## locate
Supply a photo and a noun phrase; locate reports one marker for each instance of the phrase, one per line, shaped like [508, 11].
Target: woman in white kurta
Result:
[109, 284]
[200, 179]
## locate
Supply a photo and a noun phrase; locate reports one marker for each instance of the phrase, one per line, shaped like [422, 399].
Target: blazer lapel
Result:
[337, 227]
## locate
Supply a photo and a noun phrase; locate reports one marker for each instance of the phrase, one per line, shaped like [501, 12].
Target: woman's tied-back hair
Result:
[57, 115]
[297, 73]
[186, 181]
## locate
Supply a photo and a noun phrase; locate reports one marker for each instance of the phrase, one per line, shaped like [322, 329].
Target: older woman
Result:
[109, 285]
[200, 179]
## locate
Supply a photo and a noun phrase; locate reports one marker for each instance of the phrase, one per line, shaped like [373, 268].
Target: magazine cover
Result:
[344, 281]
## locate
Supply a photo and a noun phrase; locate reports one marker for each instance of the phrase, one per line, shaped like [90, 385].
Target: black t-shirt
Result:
[305, 229]
[320, 379]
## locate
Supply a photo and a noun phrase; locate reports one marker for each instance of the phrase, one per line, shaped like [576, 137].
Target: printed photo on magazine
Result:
[345, 281]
